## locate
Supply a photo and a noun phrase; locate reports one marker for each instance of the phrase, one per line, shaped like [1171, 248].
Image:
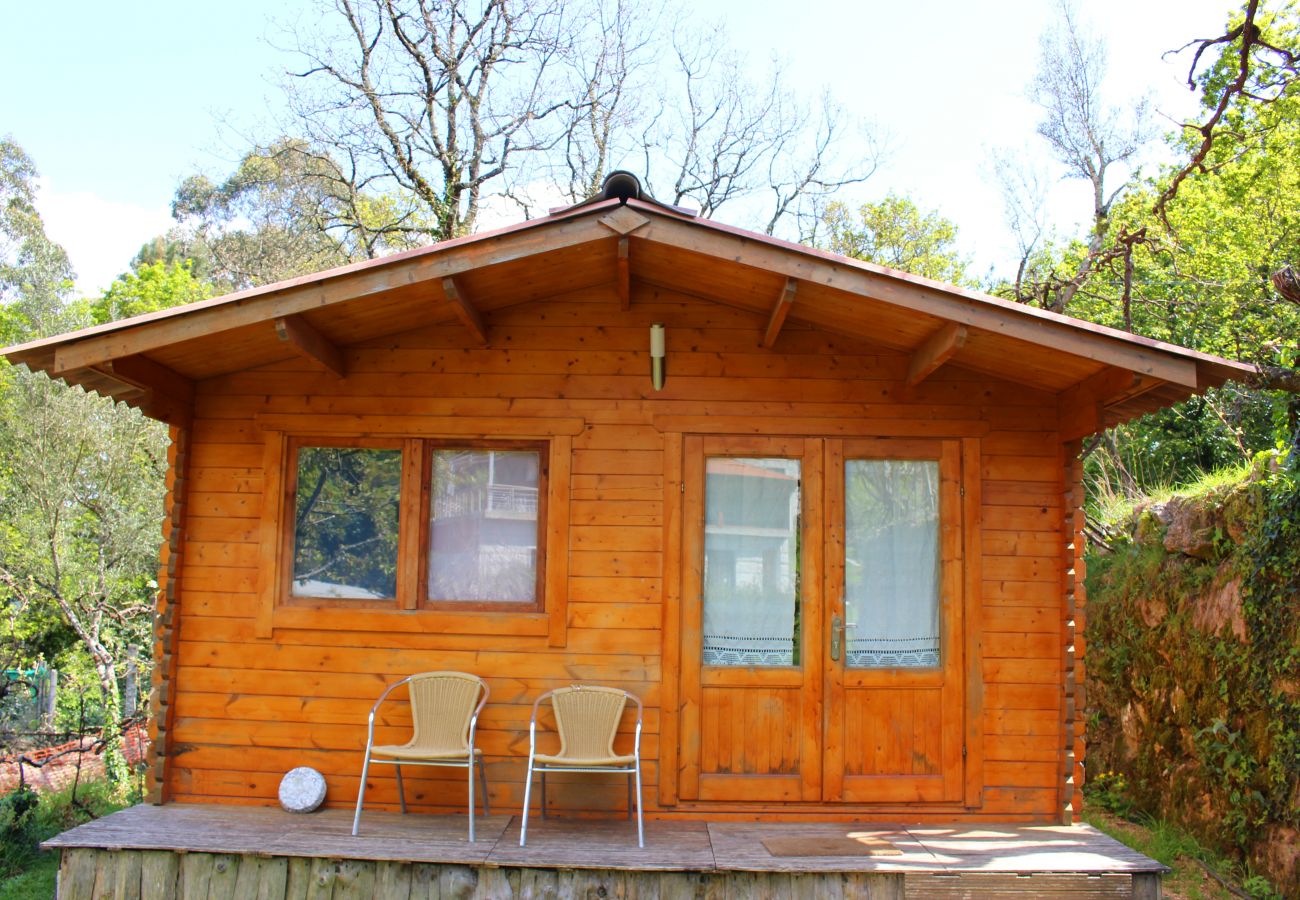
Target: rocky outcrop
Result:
[1193, 691]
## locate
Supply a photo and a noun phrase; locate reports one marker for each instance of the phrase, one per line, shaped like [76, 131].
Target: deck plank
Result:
[672, 845]
[607, 844]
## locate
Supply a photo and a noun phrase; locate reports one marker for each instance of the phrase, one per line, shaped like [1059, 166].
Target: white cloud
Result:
[101, 236]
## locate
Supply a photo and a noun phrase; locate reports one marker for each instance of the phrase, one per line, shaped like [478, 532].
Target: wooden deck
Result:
[189, 850]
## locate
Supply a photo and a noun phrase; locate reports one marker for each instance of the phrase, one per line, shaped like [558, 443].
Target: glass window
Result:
[891, 563]
[345, 523]
[751, 562]
[484, 525]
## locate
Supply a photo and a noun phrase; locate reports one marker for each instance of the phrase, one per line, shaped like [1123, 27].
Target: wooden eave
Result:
[1103, 376]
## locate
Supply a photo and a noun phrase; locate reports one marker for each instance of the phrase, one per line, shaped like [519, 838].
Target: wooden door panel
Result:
[897, 732]
[751, 729]
[755, 731]
[894, 734]
[822, 728]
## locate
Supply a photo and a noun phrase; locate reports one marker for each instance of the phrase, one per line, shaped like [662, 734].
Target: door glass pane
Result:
[483, 526]
[751, 562]
[891, 563]
[345, 523]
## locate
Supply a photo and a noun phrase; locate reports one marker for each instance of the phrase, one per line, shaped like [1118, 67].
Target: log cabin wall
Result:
[255, 695]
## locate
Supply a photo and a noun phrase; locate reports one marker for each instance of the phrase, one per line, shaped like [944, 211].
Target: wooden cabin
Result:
[834, 544]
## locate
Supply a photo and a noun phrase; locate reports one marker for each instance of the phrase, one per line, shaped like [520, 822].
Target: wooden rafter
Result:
[1081, 339]
[157, 390]
[309, 343]
[308, 294]
[465, 310]
[624, 277]
[151, 376]
[936, 350]
[780, 310]
[1082, 408]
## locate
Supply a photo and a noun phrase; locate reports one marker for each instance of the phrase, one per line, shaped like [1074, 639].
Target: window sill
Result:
[418, 621]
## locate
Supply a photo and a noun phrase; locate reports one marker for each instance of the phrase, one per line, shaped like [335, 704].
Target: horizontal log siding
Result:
[248, 709]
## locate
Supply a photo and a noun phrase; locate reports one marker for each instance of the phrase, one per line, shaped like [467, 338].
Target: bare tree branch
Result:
[1264, 70]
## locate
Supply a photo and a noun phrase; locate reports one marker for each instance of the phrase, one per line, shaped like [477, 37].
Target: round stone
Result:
[302, 790]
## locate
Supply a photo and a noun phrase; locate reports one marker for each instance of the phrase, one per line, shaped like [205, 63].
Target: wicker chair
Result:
[586, 717]
[444, 711]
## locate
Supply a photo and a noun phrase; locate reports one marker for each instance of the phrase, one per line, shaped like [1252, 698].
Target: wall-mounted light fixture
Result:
[657, 356]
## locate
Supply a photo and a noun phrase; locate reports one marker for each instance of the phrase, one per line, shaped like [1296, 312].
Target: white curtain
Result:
[751, 566]
[892, 563]
[483, 526]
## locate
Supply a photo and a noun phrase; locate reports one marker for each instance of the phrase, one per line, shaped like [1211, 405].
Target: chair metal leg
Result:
[543, 793]
[640, 829]
[361, 793]
[470, 768]
[629, 796]
[401, 791]
[528, 787]
[482, 778]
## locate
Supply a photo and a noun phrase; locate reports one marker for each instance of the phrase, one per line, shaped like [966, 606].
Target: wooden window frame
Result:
[548, 618]
[288, 532]
[425, 513]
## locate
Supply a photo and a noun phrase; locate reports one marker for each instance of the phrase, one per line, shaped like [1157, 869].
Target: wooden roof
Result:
[1102, 375]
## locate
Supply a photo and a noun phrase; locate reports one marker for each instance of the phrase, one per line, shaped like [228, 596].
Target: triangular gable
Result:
[152, 361]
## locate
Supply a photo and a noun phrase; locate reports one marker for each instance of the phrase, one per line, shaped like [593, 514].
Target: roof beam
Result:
[623, 281]
[160, 391]
[1082, 408]
[151, 376]
[310, 344]
[780, 309]
[1022, 323]
[936, 350]
[315, 292]
[464, 309]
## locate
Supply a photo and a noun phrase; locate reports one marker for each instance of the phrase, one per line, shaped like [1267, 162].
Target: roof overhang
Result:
[1103, 376]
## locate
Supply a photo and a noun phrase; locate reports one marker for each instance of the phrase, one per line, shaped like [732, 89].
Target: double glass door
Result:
[822, 620]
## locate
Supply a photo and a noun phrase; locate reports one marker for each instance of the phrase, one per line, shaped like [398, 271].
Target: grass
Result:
[26, 871]
[1114, 506]
[1178, 850]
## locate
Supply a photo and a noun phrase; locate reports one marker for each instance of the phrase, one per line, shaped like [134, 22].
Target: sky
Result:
[118, 102]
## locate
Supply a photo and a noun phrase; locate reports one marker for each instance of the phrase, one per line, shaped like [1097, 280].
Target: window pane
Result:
[345, 523]
[751, 562]
[891, 563]
[483, 526]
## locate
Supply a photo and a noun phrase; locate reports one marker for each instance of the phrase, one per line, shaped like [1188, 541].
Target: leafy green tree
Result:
[1188, 256]
[286, 210]
[81, 479]
[151, 287]
[80, 497]
[35, 274]
[896, 233]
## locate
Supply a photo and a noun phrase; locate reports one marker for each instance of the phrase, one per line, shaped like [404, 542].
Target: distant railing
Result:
[499, 499]
[512, 498]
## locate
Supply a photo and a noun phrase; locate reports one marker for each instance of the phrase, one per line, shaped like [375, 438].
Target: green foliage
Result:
[1109, 790]
[151, 287]
[17, 828]
[35, 273]
[80, 478]
[1202, 723]
[896, 233]
[286, 210]
[27, 818]
[1270, 589]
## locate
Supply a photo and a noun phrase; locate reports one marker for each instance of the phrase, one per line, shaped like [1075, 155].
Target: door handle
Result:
[837, 636]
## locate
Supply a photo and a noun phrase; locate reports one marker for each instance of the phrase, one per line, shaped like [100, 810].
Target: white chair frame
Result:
[633, 771]
[467, 763]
